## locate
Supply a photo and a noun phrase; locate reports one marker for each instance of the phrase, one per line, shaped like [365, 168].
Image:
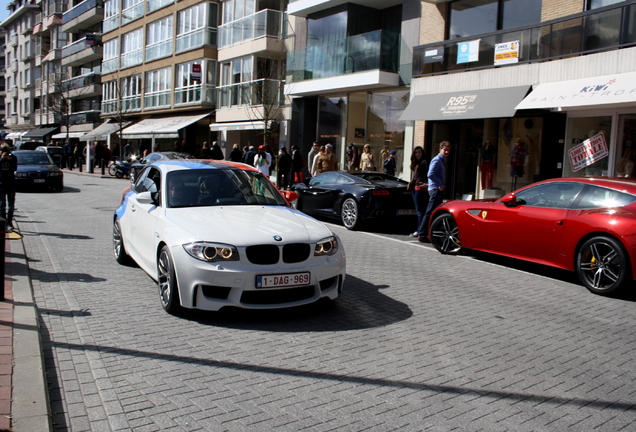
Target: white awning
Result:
[238, 126]
[602, 90]
[101, 132]
[70, 135]
[160, 127]
[16, 135]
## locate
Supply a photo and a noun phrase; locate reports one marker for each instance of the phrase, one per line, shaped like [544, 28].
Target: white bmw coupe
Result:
[215, 234]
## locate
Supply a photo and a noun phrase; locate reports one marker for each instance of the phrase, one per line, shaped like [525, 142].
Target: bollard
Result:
[79, 164]
[3, 236]
[103, 167]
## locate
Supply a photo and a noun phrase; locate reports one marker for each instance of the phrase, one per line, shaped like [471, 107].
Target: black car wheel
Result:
[167, 281]
[350, 214]
[118, 244]
[445, 234]
[602, 265]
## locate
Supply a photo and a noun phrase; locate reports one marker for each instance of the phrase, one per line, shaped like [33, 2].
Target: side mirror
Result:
[290, 196]
[300, 186]
[147, 197]
[509, 199]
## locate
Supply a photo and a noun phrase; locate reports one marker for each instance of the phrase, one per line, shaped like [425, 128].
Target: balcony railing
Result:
[159, 99]
[80, 45]
[266, 23]
[376, 50]
[110, 65]
[132, 58]
[196, 39]
[159, 50]
[82, 81]
[110, 23]
[84, 117]
[598, 30]
[132, 13]
[196, 94]
[253, 93]
[81, 8]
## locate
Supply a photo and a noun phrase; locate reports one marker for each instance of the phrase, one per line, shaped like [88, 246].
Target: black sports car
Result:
[354, 198]
[37, 169]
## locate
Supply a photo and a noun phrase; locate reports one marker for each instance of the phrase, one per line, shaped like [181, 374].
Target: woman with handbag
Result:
[419, 184]
[366, 160]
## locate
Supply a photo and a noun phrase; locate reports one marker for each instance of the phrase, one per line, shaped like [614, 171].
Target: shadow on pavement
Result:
[361, 306]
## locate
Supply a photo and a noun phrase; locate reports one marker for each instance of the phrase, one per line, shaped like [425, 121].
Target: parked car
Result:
[216, 234]
[354, 198]
[582, 224]
[135, 168]
[56, 152]
[28, 145]
[37, 169]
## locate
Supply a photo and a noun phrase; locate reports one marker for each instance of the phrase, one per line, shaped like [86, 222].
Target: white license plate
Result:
[38, 180]
[406, 212]
[283, 280]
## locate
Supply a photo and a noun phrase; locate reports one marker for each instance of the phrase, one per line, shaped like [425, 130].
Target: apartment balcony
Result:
[598, 30]
[83, 86]
[263, 24]
[84, 117]
[196, 39]
[38, 87]
[54, 54]
[111, 23]
[110, 65]
[27, 56]
[260, 92]
[13, 66]
[361, 62]
[11, 120]
[13, 40]
[303, 8]
[51, 21]
[12, 92]
[84, 15]
[153, 5]
[29, 85]
[132, 13]
[83, 51]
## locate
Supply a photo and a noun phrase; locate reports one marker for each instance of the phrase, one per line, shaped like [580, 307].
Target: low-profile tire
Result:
[112, 170]
[602, 265]
[445, 234]
[119, 174]
[350, 214]
[167, 281]
[118, 245]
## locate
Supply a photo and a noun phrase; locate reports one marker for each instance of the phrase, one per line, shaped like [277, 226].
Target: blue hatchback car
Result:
[37, 169]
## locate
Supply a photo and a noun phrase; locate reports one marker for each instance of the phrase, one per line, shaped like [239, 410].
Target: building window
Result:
[111, 15]
[109, 97]
[110, 57]
[131, 93]
[237, 9]
[159, 39]
[158, 84]
[474, 17]
[132, 48]
[131, 10]
[153, 5]
[595, 4]
[194, 82]
[196, 26]
[235, 78]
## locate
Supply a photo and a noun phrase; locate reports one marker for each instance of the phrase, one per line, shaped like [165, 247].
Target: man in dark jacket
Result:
[284, 167]
[8, 166]
[217, 153]
[297, 165]
[249, 156]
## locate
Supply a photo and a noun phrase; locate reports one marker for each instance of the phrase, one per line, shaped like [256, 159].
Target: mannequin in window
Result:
[518, 158]
[487, 167]
[625, 167]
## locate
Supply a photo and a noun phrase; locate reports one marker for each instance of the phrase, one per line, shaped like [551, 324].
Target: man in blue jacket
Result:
[436, 187]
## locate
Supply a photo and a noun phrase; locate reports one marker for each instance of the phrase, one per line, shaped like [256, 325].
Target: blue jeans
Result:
[7, 199]
[435, 199]
[420, 199]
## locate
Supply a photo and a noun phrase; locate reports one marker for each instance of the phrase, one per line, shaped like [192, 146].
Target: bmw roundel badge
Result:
[278, 238]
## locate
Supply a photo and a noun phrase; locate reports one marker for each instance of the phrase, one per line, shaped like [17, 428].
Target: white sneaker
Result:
[413, 234]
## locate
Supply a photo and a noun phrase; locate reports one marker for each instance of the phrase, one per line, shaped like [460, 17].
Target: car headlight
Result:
[328, 246]
[55, 174]
[212, 252]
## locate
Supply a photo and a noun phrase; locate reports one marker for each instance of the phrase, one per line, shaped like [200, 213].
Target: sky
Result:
[4, 13]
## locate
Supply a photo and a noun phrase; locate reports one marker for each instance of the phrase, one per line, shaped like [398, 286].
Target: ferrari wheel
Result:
[602, 265]
[445, 234]
[118, 245]
[167, 281]
[350, 214]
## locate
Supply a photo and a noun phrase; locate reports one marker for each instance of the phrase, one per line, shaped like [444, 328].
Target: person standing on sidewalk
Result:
[436, 187]
[8, 166]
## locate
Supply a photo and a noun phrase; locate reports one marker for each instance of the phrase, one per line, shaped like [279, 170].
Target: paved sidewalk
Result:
[23, 394]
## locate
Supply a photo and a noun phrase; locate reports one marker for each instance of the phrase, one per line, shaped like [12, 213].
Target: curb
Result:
[30, 404]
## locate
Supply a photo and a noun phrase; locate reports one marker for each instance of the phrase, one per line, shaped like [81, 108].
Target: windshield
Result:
[35, 158]
[215, 187]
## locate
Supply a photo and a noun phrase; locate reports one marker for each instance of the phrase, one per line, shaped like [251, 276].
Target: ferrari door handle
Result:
[559, 222]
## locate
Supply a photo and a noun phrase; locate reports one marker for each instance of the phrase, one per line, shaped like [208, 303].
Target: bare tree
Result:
[265, 100]
[59, 99]
[123, 97]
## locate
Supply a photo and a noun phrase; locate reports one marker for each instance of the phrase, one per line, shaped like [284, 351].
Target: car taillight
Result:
[380, 192]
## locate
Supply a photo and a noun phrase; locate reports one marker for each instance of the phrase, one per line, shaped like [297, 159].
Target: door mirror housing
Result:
[509, 200]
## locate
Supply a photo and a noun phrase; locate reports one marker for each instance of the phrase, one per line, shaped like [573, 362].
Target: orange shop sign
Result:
[588, 152]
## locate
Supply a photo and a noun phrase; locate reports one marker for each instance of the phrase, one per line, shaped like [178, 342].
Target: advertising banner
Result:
[588, 152]
[507, 53]
[468, 51]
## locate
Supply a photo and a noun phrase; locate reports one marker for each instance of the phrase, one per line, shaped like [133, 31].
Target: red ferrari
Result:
[582, 224]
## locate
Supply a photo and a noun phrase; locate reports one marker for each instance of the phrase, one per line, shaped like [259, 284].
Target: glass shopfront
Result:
[579, 130]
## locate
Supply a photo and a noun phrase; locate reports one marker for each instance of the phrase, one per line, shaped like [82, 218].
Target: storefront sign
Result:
[468, 51]
[588, 152]
[506, 53]
[459, 105]
[196, 72]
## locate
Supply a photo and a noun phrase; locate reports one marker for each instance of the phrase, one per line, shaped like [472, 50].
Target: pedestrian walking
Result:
[263, 160]
[249, 156]
[313, 167]
[206, 151]
[217, 153]
[327, 161]
[8, 166]
[366, 160]
[283, 168]
[436, 186]
[419, 185]
[297, 165]
[389, 164]
[236, 155]
[315, 149]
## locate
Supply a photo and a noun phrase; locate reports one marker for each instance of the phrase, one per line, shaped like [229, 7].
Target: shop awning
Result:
[602, 90]
[16, 135]
[470, 104]
[63, 135]
[38, 133]
[238, 126]
[160, 127]
[101, 132]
